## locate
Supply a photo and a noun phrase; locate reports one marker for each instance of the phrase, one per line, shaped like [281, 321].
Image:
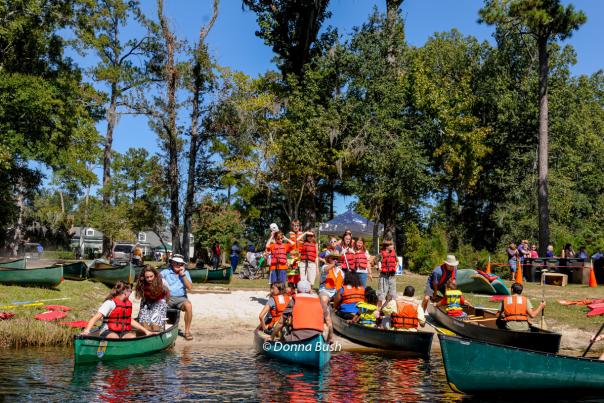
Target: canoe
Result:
[415, 342]
[203, 275]
[477, 367]
[50, 276]
[469, 280]
[109, 274]
[313, 352]
[14, 264]
[75, 270]
[500, 287]
[482, 325]
[92, 349]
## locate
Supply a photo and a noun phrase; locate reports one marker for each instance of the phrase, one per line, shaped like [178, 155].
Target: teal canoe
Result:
[109, 274]
[75, 270]
[469, 280]
[313, 352]
[477, 367]
[50, 276]
[203, 275]
[92, 349]
[14, 264]
[500, 287]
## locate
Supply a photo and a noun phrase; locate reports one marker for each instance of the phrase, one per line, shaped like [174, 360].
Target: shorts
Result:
[278, 276]
[429, 291]
[386, 286]
[177, 302]
[329, 292]
[106, 332]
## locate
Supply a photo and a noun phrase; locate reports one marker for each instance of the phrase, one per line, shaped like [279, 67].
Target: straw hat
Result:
[451, 261]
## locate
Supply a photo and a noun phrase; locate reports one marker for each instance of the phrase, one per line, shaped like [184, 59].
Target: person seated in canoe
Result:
[116, 313]
[404, 314]
[516, 309]
[347, 298]
[275, 305]
[332, 277]
[454, 300]
[438, 279]
[179, 283]
[290, 289]
[367, 310]
[278, 251]
[304, 317]
[153, 292]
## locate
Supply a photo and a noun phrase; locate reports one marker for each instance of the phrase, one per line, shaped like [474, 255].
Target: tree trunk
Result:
[389, 220]
[543, 147]
[111, 121]
[392, 7]
[375, 247]
[62, 202]
[310, 208]
[18, 236]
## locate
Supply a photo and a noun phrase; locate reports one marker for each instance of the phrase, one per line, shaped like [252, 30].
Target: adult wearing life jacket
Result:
[347, 254]
[438, 279]
[387, 263]
[404, 314]
[516, 309]
[362, 261]
[332, 277]
[454, 300]
[116, 313]
[367, 311]
[347, 298]
[305, 316]
[275, 305]
[278, 250]
[153, 292]
[309, 257]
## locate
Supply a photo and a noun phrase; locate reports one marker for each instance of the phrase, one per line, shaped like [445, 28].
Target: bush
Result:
[431, 249]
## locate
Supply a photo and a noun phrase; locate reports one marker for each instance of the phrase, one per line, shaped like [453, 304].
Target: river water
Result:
[210, 374]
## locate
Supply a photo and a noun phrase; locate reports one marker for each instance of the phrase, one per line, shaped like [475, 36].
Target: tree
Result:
[99, 28]
[546, 21]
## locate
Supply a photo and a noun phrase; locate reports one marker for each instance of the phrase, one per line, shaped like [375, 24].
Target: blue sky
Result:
[233, 43]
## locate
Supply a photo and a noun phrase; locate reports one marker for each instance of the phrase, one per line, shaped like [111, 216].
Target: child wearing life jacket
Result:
[405, 313]
[278, 251]
[276, 304]
[347, 298]
[387, 280]
[367, 311]
[454, 300]
[332, 278]
[116, 313]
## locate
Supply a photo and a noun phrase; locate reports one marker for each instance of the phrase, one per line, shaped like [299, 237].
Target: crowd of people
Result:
[521, 252]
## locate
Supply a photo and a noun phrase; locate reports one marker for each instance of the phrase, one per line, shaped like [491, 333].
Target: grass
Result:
[23, 330]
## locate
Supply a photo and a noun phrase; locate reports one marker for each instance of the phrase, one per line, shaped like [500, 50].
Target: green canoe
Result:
[109, 274]
[477, 367]
[92, 349]
[469, 280]
[203, 275]
[42, 276]
[14, 264]
[75, 270]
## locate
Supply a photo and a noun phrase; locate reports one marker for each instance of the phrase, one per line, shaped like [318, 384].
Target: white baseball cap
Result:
[274, 227]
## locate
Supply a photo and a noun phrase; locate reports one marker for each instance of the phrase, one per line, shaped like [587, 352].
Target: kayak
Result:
[203, 275]
[75, 270]
[469, 280]
[414, 342]
[313, 352]
[50, 276]
[478, 367]
[92, 349]
[14, 264]
[482, 325]
[109, 274]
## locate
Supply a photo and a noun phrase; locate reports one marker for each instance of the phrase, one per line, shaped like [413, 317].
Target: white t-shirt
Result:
[106, 309]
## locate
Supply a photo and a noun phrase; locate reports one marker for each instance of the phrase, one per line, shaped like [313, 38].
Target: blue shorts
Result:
[278, 276]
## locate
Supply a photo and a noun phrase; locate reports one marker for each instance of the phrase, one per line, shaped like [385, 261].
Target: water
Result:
[195, 373]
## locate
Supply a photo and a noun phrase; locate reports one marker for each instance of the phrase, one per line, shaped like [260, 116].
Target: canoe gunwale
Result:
[260, 338]
[97, 338]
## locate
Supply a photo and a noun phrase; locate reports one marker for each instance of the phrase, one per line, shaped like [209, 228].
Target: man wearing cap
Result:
[305, 315]
[437, 281]
[179, 282]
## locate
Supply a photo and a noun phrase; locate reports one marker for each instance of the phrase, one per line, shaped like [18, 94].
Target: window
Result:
[142, 237]
[89, 232]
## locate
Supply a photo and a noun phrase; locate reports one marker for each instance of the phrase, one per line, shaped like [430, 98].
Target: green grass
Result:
[23, 330]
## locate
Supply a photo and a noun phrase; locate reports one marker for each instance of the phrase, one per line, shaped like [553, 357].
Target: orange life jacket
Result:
[347, 259]
[308, 251]
[278, 257]
[281, 302]
[360, 259]
[514, 308]
[406, 316]
[333, 281]
[446, 276]
[388, 261]
[120, 319]
[294, 237]
[307, 312]
[352, 294]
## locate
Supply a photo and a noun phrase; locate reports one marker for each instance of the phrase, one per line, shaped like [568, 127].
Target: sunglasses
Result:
[178, 264]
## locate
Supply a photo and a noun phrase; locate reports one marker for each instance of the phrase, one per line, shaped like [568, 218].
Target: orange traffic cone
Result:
[489, 265]
[518, 278]
[592, 276]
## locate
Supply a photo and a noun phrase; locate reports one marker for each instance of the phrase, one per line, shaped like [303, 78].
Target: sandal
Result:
[188, 336]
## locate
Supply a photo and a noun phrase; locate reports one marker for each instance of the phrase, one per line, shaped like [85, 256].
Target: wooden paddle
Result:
[543, 324]
[593, 341]
[441, 330]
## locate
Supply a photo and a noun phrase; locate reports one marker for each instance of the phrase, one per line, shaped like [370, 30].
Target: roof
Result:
[75, 233]
[359, 225]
